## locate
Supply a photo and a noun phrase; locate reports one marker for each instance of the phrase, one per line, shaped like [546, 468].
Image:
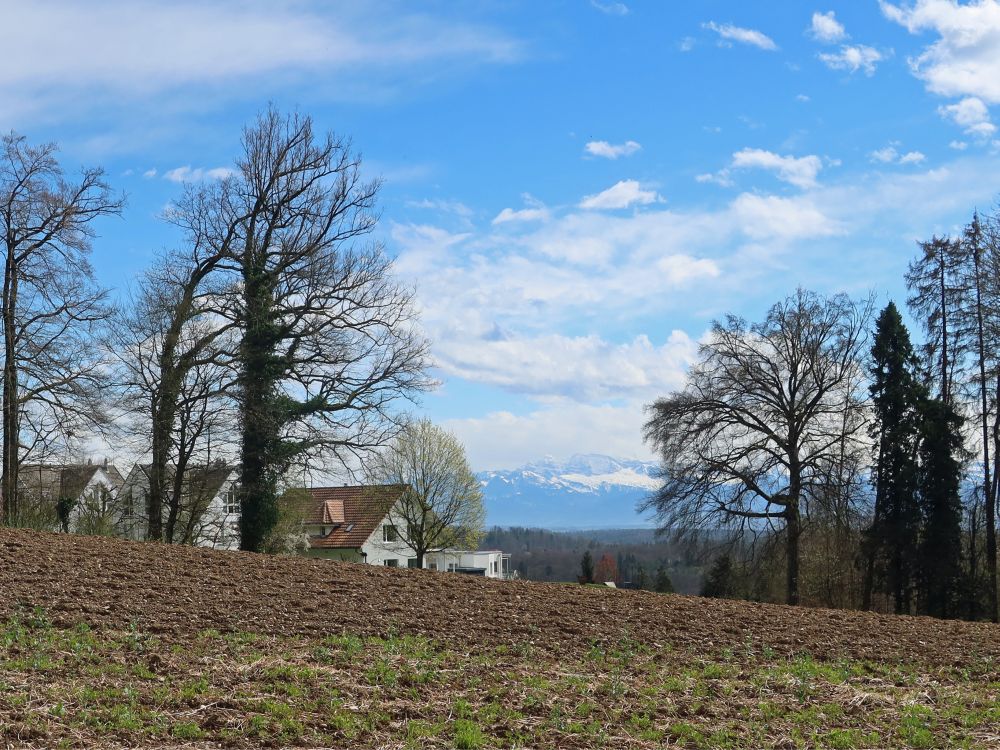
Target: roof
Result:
[205, 480]
[353, 511]
[68, 481]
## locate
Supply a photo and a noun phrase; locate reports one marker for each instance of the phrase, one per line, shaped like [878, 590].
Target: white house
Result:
[209, 511]
[88, 491]
[360, 524]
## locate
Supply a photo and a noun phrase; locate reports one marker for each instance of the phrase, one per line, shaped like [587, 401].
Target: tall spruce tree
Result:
[891, 540]
[940, 509]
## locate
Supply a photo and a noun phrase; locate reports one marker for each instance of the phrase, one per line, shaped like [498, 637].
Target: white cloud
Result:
[965, 60]
[799, 171]
[118, 51]
[149, 174]
[611, 150]
[686, 44]
[731, 33]
[503, 440]
[890, 155]
[581, 368]
[505, 308]
[885, 155]
[523, 214]
[826, 28]
[611, 8]
[773, 217]
[801, 98]
[853, 58]
[721, 178]
[972, 115]
[452, 207]
[622, 194]
[187, 174]
[958, 145]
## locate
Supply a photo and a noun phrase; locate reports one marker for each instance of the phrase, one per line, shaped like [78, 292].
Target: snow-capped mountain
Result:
[587, 491]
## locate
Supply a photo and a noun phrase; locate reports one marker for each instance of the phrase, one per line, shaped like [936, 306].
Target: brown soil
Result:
[178, 591]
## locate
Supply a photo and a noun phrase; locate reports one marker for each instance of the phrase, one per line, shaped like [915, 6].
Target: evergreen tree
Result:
[587, 568]
[897, 395]
[941, 510]
[718, 583]
[662, 582]
[641, 578]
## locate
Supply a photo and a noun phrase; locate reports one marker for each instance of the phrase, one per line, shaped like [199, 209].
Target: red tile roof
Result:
[354, 512]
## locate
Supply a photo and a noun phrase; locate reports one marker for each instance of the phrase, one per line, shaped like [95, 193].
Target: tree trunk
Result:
[157, 471]
[11, 425]
[260, 419]
[945, 389]
[991, 538]
[793, 531]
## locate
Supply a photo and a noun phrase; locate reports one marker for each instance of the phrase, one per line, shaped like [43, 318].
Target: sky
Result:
[575, 189]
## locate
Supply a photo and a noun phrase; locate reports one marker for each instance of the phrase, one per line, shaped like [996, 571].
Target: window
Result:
[231, 503]
[432, 566]
[392, 563]
[451, 567]
[389, 533]
[128, 507]
[411, 563]
[493, 566]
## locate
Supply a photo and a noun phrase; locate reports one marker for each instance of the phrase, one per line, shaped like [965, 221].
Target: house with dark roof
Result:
[209, 510]
[73, 497]
[360, 524]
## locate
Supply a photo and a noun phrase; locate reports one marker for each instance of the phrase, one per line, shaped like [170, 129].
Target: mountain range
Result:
[586, 491]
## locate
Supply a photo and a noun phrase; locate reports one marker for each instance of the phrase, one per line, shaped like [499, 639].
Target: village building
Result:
[361, 524]
[208, 513]
[79, 498]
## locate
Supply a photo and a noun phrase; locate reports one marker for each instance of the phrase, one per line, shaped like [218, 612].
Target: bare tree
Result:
[175, 355]
[442, 503]
[328, 343]
[51, 306]
[766, 412]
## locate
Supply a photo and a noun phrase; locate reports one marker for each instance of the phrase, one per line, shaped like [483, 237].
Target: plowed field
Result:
[115, 643]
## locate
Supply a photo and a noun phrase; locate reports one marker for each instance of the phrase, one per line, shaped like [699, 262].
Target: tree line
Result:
[831, 447]
[274, 333]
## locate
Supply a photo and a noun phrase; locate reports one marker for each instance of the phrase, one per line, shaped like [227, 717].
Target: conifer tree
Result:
[897, 395]
[718, 583]
[587, 568]
[941, 510]
[662, 582]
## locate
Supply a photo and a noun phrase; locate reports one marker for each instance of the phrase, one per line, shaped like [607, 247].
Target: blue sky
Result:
[575, 188]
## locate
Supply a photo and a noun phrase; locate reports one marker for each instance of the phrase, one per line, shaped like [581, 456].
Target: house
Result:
[72, 497]
[361, 524]
[491, 563]
[209, 511]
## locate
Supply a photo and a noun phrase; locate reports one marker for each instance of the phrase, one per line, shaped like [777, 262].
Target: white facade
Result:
[97, 500]
[493, 562]
[217, 526]
[386, 546]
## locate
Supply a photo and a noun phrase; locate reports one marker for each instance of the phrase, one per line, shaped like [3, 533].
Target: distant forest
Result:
[543, 555]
